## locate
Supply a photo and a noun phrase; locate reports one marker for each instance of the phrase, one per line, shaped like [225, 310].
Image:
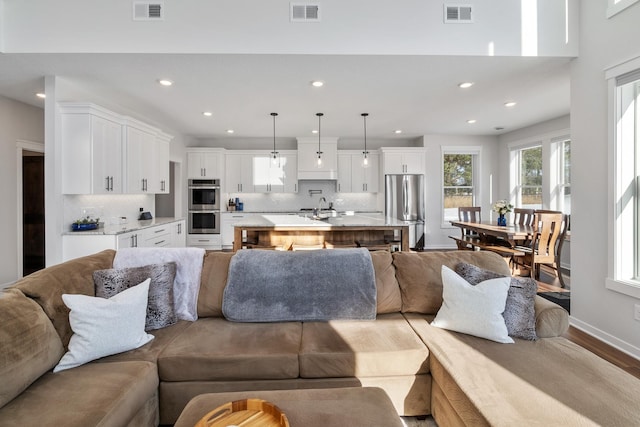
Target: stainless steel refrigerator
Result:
[404, 200]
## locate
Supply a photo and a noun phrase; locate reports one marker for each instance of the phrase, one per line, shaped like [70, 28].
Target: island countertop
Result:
[276, 231]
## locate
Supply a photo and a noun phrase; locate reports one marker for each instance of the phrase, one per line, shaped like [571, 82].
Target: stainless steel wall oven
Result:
[204, 206]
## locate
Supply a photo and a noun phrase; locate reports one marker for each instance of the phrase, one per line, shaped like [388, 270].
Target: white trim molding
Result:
[605, 337]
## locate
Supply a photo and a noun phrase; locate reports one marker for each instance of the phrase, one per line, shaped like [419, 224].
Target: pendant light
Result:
[275, 156]
[365, 153]
[319, 152]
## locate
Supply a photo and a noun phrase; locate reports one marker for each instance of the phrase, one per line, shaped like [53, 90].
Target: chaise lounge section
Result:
[460, 379]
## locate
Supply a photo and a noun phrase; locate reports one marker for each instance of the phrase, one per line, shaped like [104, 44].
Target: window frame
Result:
[516, 173]
[623, 168]
[476, 154]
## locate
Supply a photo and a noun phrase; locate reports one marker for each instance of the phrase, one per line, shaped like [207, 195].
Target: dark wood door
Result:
[33, 214]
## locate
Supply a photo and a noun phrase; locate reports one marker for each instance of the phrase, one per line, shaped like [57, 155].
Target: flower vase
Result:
[502, 221]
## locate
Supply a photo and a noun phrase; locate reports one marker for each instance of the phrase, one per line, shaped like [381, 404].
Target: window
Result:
[624, 194]
[529, 185]
[563, 202]
[459, 177]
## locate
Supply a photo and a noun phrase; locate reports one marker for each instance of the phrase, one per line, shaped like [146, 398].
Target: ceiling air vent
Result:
[458, 14]
[145, 11]
[304, 12]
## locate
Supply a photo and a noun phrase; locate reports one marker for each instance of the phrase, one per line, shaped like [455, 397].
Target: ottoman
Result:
[353, 406]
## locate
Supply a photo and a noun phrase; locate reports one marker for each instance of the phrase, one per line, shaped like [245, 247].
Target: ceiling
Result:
[417, 94]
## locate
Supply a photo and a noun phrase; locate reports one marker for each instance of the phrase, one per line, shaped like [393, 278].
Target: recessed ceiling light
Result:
[317, 83]
[230, 131]
[510, 104]
[314, 131]
[165, 82]
[207, 113]
[41, 95]
[471, 121]
[465, 85]
[397, 131]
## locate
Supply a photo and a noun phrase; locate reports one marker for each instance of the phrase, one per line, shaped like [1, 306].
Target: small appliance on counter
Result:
[235, 205]
[145, 216]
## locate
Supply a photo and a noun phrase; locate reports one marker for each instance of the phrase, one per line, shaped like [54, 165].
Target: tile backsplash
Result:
[109, 208]
[308, 196]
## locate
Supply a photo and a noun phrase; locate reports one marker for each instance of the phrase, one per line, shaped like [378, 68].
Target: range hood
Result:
[308, 168]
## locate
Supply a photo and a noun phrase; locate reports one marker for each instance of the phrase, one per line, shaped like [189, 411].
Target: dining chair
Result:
[546, 243]
[468, 214]
[523, 216]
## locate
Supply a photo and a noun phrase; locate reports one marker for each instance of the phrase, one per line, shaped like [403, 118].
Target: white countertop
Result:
[124, 228]
[283, 220]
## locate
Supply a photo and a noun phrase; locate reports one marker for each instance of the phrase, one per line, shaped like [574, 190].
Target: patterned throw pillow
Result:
[519, 313]
[160, 309]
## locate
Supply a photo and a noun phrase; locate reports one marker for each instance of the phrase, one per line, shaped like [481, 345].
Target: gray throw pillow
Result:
[519, 313]
[160, 310]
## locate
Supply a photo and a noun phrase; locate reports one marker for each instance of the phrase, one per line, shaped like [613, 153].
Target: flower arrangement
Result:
[502, 207]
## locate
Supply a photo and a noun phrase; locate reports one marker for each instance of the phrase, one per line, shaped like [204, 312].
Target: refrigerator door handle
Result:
[405, 197]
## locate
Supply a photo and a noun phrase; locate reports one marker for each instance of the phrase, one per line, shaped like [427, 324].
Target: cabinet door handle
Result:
[111, 183]
[160, 242]
[295, 187]
[107, 188]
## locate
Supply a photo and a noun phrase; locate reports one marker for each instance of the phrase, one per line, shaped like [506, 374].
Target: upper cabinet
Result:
[403, 160]
[308, 166]
[205, 163]
[106, 153]
[356, 177]
[239, 172]
[91, 150]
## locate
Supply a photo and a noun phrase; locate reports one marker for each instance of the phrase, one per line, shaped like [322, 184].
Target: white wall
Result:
[355, 27]
[437, 233]
[18, 121]
[604, 42]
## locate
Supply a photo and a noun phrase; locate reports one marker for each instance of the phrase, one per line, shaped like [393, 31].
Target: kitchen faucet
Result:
[319, 209]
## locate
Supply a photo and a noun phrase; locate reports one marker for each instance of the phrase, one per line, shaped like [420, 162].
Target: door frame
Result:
[22, 145]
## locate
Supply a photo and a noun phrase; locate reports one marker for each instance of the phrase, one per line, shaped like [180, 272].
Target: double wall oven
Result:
[204, 206]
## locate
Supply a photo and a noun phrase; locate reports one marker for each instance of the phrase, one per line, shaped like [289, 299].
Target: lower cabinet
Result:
[210, 242]
[171, 234]
[229, 220]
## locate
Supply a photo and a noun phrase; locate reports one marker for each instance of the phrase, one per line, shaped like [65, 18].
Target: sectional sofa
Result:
[458, 378]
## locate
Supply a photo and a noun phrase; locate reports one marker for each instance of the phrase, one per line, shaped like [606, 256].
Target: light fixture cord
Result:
[319, 132]
[274, 132]
[364, 116]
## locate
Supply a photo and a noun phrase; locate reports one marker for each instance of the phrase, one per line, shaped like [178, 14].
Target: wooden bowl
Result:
[245, 413]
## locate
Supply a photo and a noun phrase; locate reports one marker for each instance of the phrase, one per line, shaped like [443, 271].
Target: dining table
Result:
[490, 233]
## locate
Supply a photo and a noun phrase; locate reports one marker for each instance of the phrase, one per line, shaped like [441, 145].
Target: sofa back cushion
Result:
[215, 269]
[72, 277]
[30, 344]
[389, 299]
[420, 279]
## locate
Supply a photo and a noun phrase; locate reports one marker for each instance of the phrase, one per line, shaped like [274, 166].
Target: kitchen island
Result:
[293, 232]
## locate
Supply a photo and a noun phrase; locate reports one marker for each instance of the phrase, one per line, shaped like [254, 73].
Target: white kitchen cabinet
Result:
[280, 176]
[161, 183]
[179, 234]
[403, 160]
[158, 237]
[140, 160]
[205, 163]
[344, 173]
[308, 158]
[239, 173]
[91, 150]
[229, 220]
[211, 242]
[353, 176]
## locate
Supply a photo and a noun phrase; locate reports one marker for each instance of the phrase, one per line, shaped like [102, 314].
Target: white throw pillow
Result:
[474, 310]
[102, 327]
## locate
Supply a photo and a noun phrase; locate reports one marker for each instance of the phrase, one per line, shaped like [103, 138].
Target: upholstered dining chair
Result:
[468, 214]
[546, 243]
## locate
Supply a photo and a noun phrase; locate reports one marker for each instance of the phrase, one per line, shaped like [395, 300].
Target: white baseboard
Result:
[608, 339]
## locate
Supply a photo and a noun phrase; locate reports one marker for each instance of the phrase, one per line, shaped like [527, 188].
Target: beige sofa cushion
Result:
[215, 268]
[29, 342]
[551, 319]
[388, 290]
[216, 349]
[95, 394]
[72, 277]
[419, 275]
[384, 347]
[551, 381]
